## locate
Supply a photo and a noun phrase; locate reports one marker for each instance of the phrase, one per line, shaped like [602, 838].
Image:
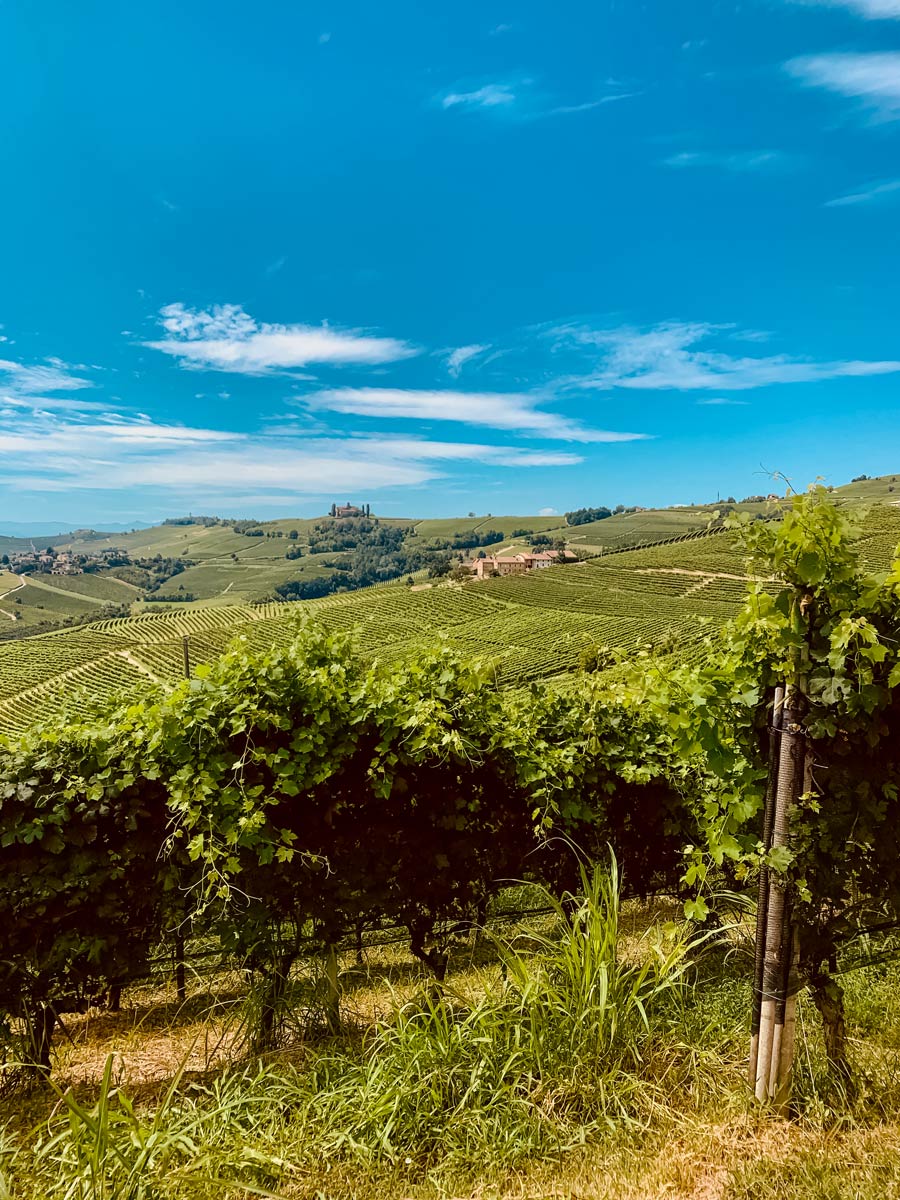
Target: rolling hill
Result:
[649, 577]
[529, 627]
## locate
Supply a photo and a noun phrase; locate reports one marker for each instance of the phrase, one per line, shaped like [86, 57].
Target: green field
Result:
[529, 627]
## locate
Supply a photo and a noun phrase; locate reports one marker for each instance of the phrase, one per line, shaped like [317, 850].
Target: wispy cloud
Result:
[871, 193]
[672, 356]
[565, 110]
[33, 386]
[226, 338]
[872, 10]
[274, 267]
[515, 412]
[520, 100]
[720, 401]
[739, 161]
[491, 95]
[872, 79]
[48, 454]
[456, 359]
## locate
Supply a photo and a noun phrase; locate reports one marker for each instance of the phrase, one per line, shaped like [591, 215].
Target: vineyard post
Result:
[762, 901]
[775, 1047]
[180, 980]
[333, 992]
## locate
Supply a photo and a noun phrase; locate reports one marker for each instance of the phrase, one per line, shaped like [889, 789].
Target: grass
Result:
[593, 1052]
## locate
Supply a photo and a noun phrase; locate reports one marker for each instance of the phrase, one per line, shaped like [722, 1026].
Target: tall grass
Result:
[572, 1034]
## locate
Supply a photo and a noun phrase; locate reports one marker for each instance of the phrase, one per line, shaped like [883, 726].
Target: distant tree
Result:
[620, 508]
[581, 516]
[859, 479]
[5, 560]
[409, 581]
[439, 566]
[293, 535]
[471, 514]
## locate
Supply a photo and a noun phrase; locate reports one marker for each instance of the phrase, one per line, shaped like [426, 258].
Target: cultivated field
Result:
[529, 627]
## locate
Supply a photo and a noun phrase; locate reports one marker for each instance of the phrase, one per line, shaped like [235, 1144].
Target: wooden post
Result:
[333, 995]
[186, 651]
[762, 899]
[771, 1055]
[180, 981]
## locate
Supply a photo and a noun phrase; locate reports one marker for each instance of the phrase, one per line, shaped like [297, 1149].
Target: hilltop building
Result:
[350, 510]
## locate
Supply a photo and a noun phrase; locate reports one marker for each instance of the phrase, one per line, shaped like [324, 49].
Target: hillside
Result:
[530, 626]
[205, 564]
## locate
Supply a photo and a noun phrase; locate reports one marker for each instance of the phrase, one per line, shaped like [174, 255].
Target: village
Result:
[49, 562]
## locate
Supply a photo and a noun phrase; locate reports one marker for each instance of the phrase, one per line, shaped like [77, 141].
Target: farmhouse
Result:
[518, 564]
[349, 510]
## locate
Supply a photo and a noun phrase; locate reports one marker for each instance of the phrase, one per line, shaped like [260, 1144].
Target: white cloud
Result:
[563, 110]
[52, 455]
[723, 400]
[873, 79]
[492, 95]
[456, 359]
[739, 162]
[547, 512]
[511, 411]
[26, 385]
[870, 9]
[671, 356]
[874, 191]
[225, 338]
[35, 378]
[324, 39]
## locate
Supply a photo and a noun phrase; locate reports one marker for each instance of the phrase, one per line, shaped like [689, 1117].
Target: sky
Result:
[507, 257]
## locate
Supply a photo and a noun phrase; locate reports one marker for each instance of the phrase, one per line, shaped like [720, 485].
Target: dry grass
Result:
[711, 1146]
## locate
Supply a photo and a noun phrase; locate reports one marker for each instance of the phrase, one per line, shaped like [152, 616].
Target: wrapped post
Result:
[762, 899]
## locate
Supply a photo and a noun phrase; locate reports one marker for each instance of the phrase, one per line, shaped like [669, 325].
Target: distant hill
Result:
[669, 595]
[215, 562]
[51, 529]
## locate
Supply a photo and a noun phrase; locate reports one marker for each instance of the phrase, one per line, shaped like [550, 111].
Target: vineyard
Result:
[347, 828]
[528, 627]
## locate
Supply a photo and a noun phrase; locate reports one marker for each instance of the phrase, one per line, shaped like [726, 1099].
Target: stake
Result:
[781, 1071]
[762, 900]
[790, 776]
[333, 1001]
[186, 651]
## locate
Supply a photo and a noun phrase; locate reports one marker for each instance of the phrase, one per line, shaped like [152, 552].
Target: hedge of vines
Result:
[284, 799]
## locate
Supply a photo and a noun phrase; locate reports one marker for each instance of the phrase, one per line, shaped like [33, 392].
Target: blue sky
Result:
[480, 256]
